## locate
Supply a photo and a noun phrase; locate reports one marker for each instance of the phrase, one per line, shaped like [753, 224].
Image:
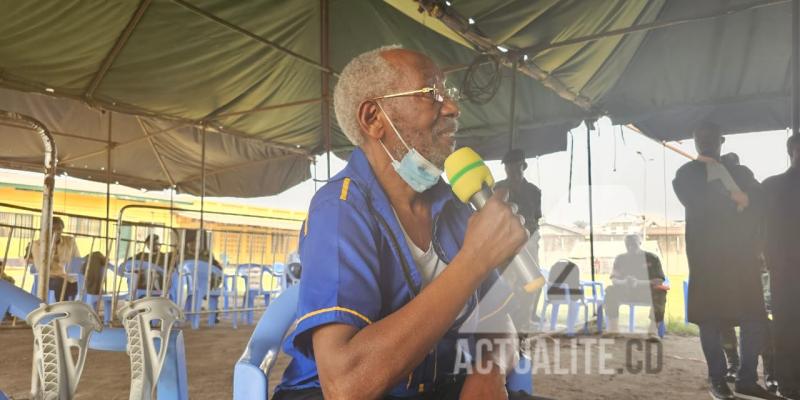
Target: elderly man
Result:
[783, 260]
[723, 208]
[394, 265]
[64, 250]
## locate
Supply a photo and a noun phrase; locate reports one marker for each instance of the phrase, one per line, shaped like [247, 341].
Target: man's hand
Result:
[656, 282]
[494, 233]
[741, 199]
[491, 386]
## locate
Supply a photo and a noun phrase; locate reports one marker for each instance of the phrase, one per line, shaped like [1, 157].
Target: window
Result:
[83, 226]
[17, 221]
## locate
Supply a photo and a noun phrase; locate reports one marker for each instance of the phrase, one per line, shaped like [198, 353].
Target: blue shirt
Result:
[358, 269]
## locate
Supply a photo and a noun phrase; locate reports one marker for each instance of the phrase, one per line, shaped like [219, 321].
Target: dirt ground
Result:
[560, 374]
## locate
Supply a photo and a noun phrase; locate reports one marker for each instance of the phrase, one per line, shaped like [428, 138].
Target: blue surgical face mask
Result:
[414, 169]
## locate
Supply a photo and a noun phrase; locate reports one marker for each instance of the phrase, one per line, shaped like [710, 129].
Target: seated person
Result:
[190, 248]
[64, 250]
[94, 269]
[637, 277]
[152, 254]
[396, 270]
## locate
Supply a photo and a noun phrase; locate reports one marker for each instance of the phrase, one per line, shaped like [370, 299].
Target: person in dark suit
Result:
[724, 204]
[782, 254]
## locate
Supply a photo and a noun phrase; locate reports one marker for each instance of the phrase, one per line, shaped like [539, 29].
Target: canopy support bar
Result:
[653, 26]
[114, 53]
[156, 152]
[253, 36]
[202, 185]
[795, 67]
[269, 107]
[326, 88]
[512, 134]
[235, 166]
[589, 126]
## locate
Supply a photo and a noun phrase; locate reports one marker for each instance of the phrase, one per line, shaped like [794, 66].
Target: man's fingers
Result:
[502, 194]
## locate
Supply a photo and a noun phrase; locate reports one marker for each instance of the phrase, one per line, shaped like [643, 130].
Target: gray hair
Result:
[365, 77]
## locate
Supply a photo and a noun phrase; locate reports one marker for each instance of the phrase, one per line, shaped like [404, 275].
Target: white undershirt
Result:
[428, 263]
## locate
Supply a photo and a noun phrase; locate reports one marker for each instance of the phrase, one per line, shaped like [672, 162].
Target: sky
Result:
[631, 174]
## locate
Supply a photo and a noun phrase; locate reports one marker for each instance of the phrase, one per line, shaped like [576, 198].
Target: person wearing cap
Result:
[527, 196]
[528, 200]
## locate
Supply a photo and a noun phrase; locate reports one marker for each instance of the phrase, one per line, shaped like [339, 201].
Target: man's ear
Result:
[369, 119]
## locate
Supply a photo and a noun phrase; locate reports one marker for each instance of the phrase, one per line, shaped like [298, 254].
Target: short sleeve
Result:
[340, 283]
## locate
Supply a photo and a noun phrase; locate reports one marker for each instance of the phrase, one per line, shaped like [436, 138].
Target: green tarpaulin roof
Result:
[250, 75]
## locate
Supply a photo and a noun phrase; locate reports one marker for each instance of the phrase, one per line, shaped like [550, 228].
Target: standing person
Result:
[637, 276]
[723, 209]
[528, 199]
[64, 249]
[782, 253]
[527, 196]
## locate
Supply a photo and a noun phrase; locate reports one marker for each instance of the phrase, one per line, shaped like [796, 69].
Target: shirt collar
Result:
[359, 169]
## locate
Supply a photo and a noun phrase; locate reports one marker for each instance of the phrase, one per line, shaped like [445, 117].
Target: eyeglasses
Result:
[433, 93]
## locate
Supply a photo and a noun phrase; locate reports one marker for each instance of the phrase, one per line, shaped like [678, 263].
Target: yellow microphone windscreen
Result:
[467, 173]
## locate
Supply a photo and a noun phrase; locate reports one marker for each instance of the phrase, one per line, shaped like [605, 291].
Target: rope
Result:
[571, 165]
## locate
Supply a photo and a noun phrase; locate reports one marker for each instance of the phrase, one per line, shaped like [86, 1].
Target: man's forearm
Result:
[384, 353]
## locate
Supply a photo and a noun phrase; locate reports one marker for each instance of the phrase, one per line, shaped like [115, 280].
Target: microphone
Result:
[472, 182]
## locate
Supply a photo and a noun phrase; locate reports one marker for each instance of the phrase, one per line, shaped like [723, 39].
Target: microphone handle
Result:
[525, 266]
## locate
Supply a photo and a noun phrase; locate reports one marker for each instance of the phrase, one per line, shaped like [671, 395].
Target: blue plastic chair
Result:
[662, 327]
[139, 268]
[686, 302]
[249, 380]
[197, 291]
[573, 303]
[73, 269]
[231, 288]
[597, 300]
[276, 271]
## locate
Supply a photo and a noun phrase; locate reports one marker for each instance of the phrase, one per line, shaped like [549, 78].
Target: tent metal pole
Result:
[589, 125]
[325, 59]
[202, 177]
[795, 67]
[108, 205]
[46, 219]
[513, 118]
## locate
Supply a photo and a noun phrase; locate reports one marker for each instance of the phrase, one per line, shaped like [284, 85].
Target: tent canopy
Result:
[150, 79]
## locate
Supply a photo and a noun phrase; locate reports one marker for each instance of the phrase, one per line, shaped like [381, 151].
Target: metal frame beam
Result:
[269, 43]
[233, 167]
[155, 151]
[114, 52]
[652, 26]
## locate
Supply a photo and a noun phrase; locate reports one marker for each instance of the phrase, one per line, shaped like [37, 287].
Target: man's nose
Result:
[450, 108]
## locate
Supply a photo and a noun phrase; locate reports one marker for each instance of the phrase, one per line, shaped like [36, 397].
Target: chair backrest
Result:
[75, 266]
[189, 267]
[251, 374]
[564, 272]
